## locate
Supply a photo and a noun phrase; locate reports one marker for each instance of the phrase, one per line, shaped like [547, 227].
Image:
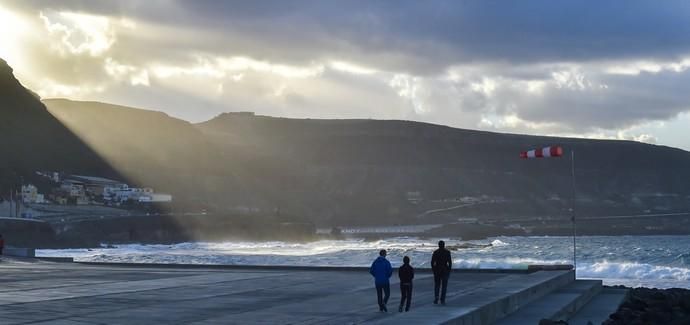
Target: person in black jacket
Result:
[406, 274]
[441, 263]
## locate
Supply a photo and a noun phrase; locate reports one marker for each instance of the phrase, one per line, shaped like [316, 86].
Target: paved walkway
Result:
[38, 292]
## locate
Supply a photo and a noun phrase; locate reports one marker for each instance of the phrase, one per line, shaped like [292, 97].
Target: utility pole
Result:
[20, 196]
[11, 201]
[17, 206]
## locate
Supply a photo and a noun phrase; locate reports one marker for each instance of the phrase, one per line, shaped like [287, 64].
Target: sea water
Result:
[650, 261]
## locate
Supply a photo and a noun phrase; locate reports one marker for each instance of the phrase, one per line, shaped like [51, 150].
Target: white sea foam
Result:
[498, 243]
[632, 270]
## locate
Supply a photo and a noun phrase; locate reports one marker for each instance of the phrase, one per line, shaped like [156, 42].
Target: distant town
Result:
[88, 190]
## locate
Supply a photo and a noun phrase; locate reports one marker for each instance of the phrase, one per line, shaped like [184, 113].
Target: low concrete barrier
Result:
[503, 304]
[19, 252]
[550, 267]
[295, 268]
[56, 259]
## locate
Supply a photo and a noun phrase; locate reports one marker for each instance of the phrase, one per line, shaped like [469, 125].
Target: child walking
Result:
[406, 274]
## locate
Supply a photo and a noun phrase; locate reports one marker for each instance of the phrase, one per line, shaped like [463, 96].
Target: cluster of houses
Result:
[83, 190]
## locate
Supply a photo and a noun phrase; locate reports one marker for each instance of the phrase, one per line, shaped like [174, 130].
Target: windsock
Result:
[546, 152]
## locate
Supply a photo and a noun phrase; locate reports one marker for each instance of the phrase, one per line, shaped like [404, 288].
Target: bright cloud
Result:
[635, 68]
[79, 33]
[571, 79]
[136, 76]
[410, 88]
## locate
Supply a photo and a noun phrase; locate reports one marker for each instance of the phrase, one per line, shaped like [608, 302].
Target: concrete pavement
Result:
[37, 292]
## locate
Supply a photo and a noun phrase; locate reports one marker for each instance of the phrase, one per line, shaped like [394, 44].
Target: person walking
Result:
[406, 274]
[381, 270]
[441, 263]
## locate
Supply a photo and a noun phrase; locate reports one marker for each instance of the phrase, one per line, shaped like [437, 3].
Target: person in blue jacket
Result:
[381, 270]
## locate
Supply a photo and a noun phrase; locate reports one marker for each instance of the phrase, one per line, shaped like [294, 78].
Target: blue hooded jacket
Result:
[381, 269]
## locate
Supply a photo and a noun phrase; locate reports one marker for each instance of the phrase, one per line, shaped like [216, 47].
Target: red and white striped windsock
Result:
[546, 152]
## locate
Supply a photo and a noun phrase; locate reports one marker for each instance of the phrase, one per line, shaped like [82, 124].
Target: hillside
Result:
[171, 155]
[375, 172]
[32, 139]
[358, 165]
[334, 172]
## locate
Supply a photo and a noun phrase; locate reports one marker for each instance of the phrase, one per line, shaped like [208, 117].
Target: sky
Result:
[594, 69]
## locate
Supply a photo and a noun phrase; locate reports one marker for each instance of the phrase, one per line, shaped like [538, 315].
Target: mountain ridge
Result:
[342, 171]
[334, 169]
[232, 114]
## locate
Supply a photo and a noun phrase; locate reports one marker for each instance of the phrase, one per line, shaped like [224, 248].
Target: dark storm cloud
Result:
[513, 31]
[421, 36]
[624, 102]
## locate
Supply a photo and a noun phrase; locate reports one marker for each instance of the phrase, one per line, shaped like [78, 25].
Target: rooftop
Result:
[94, 179]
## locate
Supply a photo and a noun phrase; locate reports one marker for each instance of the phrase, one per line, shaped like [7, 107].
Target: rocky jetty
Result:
[653, 306]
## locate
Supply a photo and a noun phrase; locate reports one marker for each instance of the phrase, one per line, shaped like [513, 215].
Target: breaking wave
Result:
[633, 270]
[498, 242]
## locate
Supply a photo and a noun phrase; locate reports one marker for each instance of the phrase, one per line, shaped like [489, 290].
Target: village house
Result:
[30, 194]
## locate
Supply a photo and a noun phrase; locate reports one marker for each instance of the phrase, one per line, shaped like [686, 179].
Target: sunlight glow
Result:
[351, 68]
[50, 88]
[12, 27]
[220, 67]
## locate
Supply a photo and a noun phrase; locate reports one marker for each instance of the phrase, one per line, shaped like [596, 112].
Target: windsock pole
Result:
[556, 151]
[572, 207]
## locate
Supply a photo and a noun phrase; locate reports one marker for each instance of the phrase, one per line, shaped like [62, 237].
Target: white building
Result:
[30, 194]
[155, 198]
[73, 188]
[123, 193]
[117, 193]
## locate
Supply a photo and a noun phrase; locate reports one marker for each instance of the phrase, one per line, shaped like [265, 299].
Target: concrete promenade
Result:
[38, 292]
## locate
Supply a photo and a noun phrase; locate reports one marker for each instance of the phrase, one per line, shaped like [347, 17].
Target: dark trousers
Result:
[441, 281]
[383, 292]
[405, 295]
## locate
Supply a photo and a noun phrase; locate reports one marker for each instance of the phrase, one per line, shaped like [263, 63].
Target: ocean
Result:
[635, 261]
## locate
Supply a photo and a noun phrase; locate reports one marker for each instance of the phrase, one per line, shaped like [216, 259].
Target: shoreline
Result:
[320, 237]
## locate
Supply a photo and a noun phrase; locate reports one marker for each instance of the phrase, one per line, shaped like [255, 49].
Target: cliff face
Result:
[32, 139]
